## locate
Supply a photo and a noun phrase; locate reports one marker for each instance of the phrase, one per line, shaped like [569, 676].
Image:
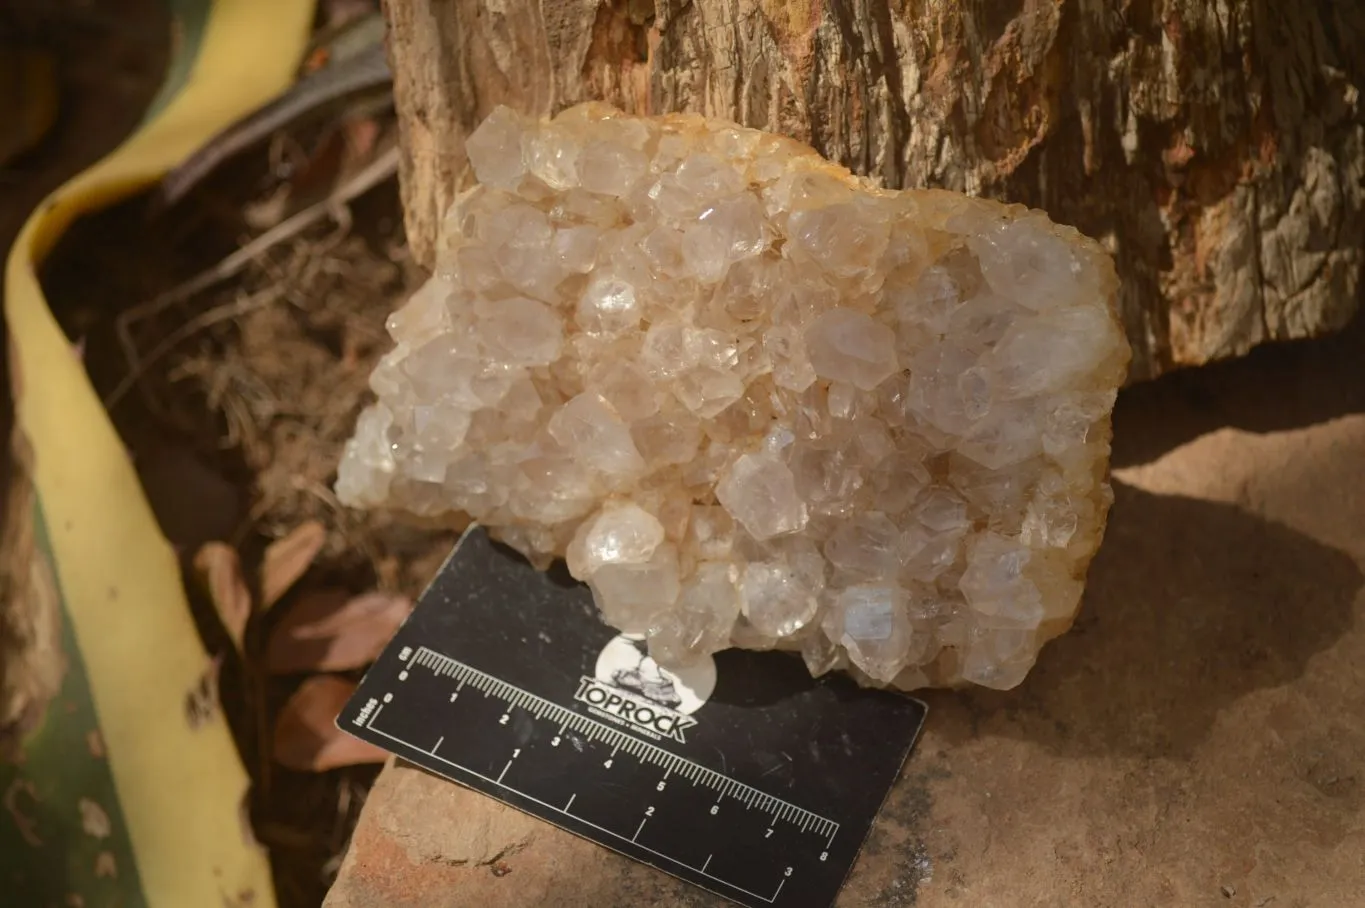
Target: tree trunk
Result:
[1217, 147]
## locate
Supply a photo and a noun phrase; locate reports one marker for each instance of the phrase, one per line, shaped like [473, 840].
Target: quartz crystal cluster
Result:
[754, 400]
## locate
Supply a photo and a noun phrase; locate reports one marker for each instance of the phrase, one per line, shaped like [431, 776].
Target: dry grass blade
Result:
[329, 630]
[380, 169]
[220, 571]
[233, 310]
[287, 559]
[306, 735]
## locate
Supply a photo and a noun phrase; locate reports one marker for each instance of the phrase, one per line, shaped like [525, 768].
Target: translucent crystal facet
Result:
[760, 494]
[754, 400]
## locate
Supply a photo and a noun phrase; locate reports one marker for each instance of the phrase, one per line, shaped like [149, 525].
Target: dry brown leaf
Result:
[220, 571]
[306, 735]
[287, 559]
[332, 631]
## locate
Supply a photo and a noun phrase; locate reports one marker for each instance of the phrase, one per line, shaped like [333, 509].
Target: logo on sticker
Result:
[631, 689]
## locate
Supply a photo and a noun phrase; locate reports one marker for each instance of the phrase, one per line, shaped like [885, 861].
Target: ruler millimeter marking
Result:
[566, 810]
[646, 752]
[756, 782]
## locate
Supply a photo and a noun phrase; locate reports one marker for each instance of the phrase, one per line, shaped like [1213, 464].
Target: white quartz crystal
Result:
[754, 400]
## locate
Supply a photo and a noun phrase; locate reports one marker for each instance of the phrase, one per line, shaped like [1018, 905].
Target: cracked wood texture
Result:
[1216, 147]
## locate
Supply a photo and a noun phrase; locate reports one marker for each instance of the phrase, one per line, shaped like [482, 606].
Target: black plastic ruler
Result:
[742, 775]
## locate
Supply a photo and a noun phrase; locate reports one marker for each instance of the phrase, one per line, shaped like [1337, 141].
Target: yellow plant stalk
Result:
[179, 785]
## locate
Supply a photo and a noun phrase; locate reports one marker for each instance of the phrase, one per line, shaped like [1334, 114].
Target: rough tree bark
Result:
[1217, 147]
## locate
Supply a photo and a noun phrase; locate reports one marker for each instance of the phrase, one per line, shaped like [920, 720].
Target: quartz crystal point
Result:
[756, 401]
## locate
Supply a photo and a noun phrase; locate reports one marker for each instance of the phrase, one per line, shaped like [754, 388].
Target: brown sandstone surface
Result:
[1195, 740]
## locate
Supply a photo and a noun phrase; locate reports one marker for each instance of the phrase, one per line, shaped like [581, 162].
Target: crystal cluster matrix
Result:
[754, 400]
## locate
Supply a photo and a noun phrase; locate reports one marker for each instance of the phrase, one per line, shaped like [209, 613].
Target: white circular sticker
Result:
[625, 663]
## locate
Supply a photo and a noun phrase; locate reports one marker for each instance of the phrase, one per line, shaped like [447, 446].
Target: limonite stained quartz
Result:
[756, 401]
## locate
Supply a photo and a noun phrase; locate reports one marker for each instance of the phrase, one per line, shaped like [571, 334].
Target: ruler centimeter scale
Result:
[566, 722]
[761, 789]
[592, 730]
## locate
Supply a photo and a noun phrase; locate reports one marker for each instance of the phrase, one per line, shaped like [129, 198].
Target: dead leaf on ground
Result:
[220, 571]
[306, 735]
[287, 559]
[311, 178]
[330, 630]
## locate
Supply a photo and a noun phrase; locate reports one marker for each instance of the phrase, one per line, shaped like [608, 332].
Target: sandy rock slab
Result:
[1195, 741]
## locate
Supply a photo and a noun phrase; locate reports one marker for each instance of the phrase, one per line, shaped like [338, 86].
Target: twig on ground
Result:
[266, 297]
[377, 171]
